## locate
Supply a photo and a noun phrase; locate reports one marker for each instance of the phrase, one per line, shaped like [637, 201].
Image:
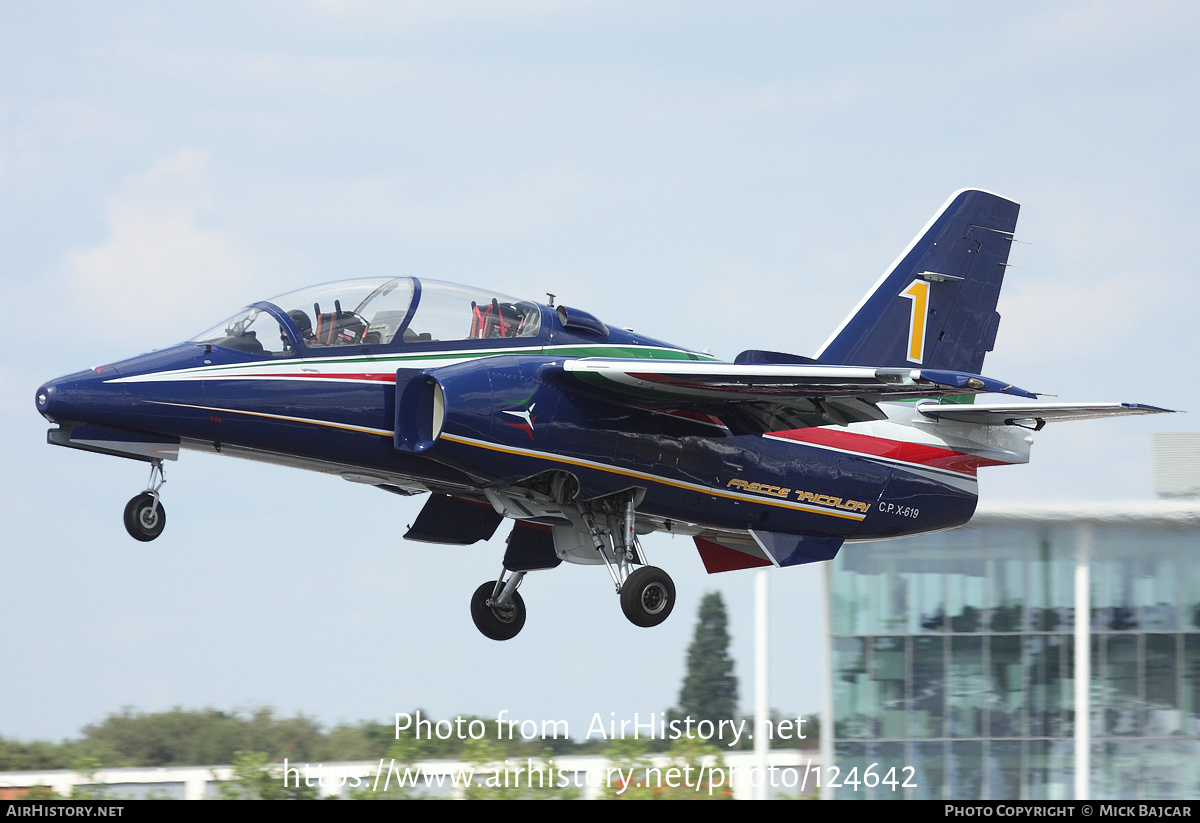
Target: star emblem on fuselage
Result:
[526, 417]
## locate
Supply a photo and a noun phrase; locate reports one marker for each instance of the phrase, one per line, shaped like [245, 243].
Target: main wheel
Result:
[648, 596]
[143, 520]
[497, 623]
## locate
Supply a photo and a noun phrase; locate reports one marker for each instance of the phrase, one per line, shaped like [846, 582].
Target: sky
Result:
[722, 176]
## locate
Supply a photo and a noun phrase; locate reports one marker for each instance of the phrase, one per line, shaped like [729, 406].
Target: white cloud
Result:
[160, 273]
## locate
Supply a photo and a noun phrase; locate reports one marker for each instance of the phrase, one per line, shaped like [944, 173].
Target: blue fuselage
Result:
[509, 414]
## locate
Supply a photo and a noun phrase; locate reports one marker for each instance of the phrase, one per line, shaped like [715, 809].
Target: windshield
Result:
[251, 330]
[375, 311]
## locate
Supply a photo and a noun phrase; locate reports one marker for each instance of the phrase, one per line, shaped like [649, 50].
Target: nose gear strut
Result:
[497, 607]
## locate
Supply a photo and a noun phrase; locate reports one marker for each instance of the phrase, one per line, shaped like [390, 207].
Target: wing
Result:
[753, 397]
[675, 381]
[1032, 415]
[836, 394]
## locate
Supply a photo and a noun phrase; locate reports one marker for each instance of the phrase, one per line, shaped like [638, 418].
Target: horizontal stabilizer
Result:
[454, 521]
[1032, 415]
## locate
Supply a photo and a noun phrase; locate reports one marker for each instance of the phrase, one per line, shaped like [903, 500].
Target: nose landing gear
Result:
[145, 517]
[497, 607]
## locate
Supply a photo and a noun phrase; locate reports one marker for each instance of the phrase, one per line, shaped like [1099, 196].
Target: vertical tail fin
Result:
[936, 305]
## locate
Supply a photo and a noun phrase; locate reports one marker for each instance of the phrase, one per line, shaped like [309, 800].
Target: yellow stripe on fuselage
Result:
[554, 458]
[692, 487]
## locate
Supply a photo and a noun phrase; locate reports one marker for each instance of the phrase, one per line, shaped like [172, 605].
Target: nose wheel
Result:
[497, 608]
[145, 517]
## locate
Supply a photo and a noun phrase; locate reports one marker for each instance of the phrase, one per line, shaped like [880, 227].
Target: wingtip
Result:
[1145, 408]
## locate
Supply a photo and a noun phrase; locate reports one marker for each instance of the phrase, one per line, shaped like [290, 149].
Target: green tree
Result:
[181, 737]
[498, 778]
[691, 770]
[36, 756]
[254, 779]
[398, 761]
[710, 688]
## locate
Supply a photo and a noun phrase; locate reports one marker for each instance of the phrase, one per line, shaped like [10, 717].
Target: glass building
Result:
[966, 659]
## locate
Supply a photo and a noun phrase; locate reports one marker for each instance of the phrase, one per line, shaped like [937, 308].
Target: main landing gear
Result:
[647, 596]
[145, 517]
[647, 593]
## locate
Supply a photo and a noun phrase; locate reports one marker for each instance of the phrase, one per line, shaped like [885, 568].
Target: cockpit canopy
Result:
[374, 312]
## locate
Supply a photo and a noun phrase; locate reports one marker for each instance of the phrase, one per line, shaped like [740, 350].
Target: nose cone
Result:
[83, 397]
[43, 400]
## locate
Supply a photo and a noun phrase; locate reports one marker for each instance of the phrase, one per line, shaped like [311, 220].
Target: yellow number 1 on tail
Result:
[918, 293]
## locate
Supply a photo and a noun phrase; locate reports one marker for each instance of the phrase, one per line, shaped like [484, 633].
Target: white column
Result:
[195, 787]
[827, 691]
[1083, 663]
[762, 702]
